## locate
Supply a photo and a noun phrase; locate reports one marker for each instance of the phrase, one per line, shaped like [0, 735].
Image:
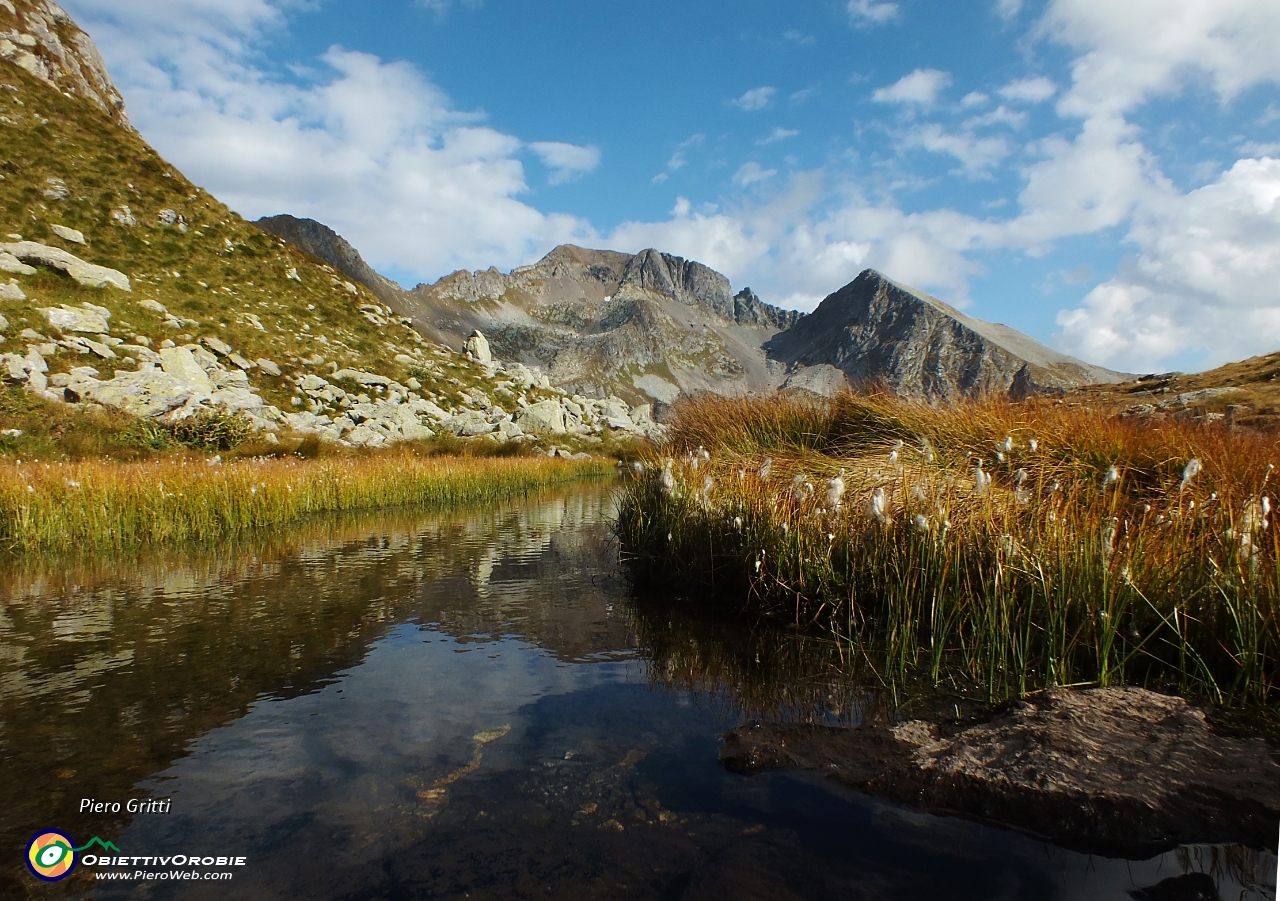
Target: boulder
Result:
[86, 318]
[154, 306]
[10, 263]
[11, 291]
[122, 215]
[217, 345]
[267, 366]
[543, 418]
[86, 274]
[478, 346]
[68, 234]
[181, 364]
[364, 379]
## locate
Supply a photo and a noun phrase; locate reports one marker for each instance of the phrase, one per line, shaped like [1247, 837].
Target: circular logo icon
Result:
[51, 855]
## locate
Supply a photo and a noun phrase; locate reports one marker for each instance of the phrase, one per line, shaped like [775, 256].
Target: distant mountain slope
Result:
[874, 329]
[324, 243]
[646, 326]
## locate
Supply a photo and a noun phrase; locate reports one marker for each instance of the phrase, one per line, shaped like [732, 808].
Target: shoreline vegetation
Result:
[992, 548]
[48, 507]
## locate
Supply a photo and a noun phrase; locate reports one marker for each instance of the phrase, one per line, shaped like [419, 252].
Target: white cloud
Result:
[1029, 90]
[750, 173]
[1001, 115]
[921, 86]
[973, 98]
[799, 37]
[870, 12]
[371, 148]
[1008, 9]
[659, 178]
[567, 161]
[755, 99]
[679, 158]
[977, 156]
[778, 134]
[1205, 277]
[1140, 48]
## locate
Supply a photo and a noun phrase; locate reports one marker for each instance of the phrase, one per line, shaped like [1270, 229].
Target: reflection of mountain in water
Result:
[109, 669]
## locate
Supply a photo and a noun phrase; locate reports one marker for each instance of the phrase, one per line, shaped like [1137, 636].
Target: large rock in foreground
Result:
[876, 330]
[1113, 769]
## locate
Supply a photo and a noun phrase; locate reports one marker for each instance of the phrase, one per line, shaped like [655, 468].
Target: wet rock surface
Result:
[1112, 769]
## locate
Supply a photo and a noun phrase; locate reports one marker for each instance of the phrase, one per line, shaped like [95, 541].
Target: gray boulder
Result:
[10, 263]
[543, 418]
[85, 318]
[68, 234]
[478, 346]
[12, 291]
[86, 274]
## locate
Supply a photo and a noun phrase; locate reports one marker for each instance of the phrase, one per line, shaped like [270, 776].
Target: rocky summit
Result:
[874, 330]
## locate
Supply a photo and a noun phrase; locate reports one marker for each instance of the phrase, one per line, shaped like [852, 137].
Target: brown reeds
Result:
[98, 504]
[1018, 545]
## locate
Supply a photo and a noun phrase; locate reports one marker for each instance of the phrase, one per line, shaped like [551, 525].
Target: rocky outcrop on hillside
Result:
[322, 242]
[876, 330]
[41, 38]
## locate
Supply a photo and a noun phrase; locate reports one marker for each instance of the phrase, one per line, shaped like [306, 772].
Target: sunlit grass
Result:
[1015, 546]
[97, 504]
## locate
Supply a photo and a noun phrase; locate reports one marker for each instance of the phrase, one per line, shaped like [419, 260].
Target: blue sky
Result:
[1103, 176]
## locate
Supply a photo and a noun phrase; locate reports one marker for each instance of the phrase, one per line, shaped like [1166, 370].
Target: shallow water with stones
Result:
[460, 705]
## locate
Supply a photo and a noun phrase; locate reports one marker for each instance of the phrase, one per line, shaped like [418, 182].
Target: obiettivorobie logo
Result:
[51, 854]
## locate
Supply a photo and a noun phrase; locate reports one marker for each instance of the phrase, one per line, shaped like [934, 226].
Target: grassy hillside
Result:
[64, 162]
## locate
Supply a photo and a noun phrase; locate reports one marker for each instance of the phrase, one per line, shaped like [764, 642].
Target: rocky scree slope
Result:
[876, 330]
[123, 285]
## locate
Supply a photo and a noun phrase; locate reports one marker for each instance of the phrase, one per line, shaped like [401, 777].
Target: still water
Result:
[452, 706]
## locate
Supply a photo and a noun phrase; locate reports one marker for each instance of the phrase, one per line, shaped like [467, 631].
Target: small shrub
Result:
[212, 431]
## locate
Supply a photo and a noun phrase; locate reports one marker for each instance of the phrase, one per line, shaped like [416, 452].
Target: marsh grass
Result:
[49, 507]
[1087, 561]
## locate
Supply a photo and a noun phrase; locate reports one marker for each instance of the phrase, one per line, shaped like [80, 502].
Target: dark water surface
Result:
[466, 705]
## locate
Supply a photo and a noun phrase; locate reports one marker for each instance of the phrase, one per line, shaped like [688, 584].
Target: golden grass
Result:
[96, 504]
[1084, 561]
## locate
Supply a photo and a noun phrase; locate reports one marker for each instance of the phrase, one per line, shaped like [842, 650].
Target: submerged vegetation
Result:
[94, 504]
[1003, 547]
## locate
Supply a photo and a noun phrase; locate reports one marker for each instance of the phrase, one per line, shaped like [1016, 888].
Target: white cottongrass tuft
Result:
[922, 522]
[668, 479]
[835, 492]
[1189, 472]
[1112, 476]
[765, 468]
[981, 480]
[878, 507]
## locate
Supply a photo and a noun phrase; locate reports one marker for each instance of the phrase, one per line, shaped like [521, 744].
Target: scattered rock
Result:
[543, 418]
[12, 291]
[478, 346]
[267, 366]
[86, 274]
[216, 344]
[85, 318]
[292, 275]
[10, 263]
[56, 189]
[68, 234]
[181, 363]
[154, 306]
[173, 218]
[122, 215]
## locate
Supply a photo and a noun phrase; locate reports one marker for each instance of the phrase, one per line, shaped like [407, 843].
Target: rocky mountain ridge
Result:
[876, 330]
[42, 39]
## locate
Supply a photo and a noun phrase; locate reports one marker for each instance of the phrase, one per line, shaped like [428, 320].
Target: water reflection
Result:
[455, 705]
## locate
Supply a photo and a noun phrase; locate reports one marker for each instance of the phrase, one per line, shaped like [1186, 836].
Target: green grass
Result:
[55, 507]
[1052, 578]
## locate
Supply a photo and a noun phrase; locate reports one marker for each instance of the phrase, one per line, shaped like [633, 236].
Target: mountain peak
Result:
[877, 329]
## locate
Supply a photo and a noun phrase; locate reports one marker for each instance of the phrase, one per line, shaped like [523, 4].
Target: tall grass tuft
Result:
[96, 504]
[1015, 546]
